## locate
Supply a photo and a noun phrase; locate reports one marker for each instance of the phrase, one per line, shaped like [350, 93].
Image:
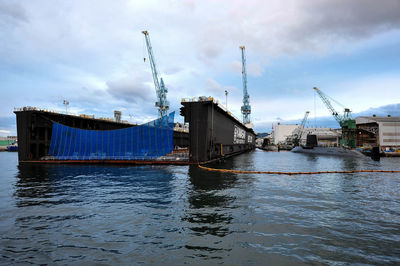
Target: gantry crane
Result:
[246, 109]
[295, 138]
[162, 104]
[345, 121]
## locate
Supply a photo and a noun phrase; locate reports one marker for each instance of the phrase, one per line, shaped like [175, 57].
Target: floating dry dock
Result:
[51, 137]
[46, 136]
[213, 131]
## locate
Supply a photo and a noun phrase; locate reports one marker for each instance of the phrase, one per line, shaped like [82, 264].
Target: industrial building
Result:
[281, 132]
[326, 137]
[378, 131]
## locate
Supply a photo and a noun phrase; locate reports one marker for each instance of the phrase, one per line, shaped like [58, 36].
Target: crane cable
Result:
[295, 173]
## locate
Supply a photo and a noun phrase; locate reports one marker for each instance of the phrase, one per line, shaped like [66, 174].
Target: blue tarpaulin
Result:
[144, 142]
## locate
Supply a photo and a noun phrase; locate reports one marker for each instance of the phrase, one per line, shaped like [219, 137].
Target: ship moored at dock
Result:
[312, 147]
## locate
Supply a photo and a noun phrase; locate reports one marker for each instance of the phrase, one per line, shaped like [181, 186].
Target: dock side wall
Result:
[34, 129]
[213, 133]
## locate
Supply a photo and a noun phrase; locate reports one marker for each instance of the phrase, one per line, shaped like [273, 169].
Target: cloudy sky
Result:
[91, 53]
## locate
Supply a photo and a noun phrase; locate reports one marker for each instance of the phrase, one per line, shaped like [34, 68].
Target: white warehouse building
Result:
[281, 132]
[325, 136]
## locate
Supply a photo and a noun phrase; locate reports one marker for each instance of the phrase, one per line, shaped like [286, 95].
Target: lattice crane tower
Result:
[162, 104]
[246, 109]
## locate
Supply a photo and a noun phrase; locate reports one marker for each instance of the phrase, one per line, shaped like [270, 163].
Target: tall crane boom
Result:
[295, 137]
[161, 90]
[328, 104]
[345, 121]
[341, 119]
[246, 109]
[303, 123]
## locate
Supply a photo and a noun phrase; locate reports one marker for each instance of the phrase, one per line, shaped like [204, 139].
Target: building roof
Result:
[323, 131]
[375, 119]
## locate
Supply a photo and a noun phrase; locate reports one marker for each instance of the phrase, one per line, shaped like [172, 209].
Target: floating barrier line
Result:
[295, 173]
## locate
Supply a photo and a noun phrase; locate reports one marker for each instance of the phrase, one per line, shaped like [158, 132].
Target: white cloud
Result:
[236, 67]
[5, 132]
[214, 86]
[255, 69]
[217, 90]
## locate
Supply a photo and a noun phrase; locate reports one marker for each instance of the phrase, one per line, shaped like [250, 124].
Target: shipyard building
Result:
[326, 137]
[378, 131]
[281, 132]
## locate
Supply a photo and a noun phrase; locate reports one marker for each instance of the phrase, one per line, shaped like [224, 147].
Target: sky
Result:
[91, 53]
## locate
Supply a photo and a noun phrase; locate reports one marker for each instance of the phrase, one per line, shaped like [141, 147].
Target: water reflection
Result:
[209, 215]
[246, 160]
[66, 213]
[210, 181]
[60, 184]
[351, 164]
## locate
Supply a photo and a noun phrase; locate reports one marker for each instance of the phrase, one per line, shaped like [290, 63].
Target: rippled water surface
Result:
[66, 214]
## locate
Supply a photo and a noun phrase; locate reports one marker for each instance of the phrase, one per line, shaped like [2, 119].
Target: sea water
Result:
[80, 214]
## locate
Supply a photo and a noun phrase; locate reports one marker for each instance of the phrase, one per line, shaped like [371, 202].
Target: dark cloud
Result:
[211, 50]
[391, 109]
[89, 97]
[133, 89]
[278, 27]
[348, 19]
[12, 13]
[323, 23]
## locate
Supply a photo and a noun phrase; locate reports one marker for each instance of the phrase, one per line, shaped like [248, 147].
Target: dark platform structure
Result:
[213, 132]
[35, 127]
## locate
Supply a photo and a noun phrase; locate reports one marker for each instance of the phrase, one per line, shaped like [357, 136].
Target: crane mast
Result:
[246, 109]
[295, 138]
[345, 121]
[162, 104]
[303, 123]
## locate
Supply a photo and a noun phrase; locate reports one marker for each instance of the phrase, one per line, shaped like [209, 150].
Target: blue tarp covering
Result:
[145, 142]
